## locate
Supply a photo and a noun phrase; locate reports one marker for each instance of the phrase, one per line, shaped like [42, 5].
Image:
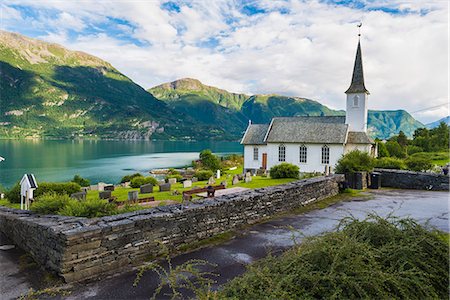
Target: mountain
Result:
[49, 91]
[211, 105]
[435, 124]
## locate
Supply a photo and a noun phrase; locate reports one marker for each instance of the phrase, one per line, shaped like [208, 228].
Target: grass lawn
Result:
[257, 182]
[438, 158]
[5, 202]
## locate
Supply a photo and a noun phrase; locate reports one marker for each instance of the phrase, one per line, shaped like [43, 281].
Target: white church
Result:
[315, 144]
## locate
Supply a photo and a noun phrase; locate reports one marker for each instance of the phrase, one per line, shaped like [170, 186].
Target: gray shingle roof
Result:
[357, 85]
[255, 134]
[322, 130]
[358, 138]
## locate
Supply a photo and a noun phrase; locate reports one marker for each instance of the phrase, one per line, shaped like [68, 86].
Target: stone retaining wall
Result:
[413, 180]
[80, 248]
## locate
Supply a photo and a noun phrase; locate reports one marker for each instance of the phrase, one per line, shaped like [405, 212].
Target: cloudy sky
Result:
[290, 47]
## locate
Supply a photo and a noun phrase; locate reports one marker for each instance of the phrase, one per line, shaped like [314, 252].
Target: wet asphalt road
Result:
[251, 244]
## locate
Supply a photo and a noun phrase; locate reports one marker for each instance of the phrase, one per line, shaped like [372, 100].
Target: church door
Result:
[264, 161]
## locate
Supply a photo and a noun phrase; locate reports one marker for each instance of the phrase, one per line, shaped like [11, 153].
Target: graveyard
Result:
[120, 193]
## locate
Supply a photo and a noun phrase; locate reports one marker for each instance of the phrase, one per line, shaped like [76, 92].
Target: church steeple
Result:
[357, 85]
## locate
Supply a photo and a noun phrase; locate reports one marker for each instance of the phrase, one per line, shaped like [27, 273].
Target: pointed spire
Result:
[357, 85]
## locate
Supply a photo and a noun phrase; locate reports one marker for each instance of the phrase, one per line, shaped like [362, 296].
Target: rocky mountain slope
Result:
[52, 92]
[435, 124]
[212, 105]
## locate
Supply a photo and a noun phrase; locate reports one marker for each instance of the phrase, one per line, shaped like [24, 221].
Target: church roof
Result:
[321, 130]
[358, 138]
[357, 85]
[255, 134]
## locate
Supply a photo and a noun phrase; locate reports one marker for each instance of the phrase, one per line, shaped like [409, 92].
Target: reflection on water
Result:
[97, 160]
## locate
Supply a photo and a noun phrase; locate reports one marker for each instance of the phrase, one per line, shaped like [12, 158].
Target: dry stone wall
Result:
[413, 180]
[80, 248]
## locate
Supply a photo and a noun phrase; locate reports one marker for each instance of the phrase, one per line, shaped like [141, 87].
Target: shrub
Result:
[369, 259]
[13, 194]
[172, 171]
[141, 180]
[89, 208]
[390, 163]
[81, 181]
[411, 149]
[203, 174]
[61, 188]
[355, 161]
[419, 163]
[209, 160]
[284, 170]
[395, 149]
[50, 203]
[127, 178]
[382, 150]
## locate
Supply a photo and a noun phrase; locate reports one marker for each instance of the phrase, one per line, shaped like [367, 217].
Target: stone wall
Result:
[413, 180]
[80, 248]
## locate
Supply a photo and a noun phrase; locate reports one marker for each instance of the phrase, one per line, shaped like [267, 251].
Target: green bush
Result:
[411, 149]
[141, 180]
[395, 149]
[89, 208]
[284, 170]
[382, 150]
[61, 188]
[355, 161]
[128, 178]
[13, 194]
[203, 174]
[369, 259]
[390, 163]
[81, 181]
[209, 160]
[419, 163]
[50, 203]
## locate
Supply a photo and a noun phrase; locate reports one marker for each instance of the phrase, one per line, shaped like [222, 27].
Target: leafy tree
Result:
[395, 149]
[355, 161]
[440, 137]
[128, 178]
[80, 180]
[382, 150]
[13, 194]
[141, 180]
[402, 139]
[284, 170]
[209, 160]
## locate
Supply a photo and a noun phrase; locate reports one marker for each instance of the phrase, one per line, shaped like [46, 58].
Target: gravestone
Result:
[164, 187]
[85, 189]
[187, 183]
[94, 187]
[161, 182]
[108, 187]
[211, 180]
[194, 179]
[133, 195]
[79, 196]
[224, 183]
[146, 188]
[101, 186]
[104, 194]
[248, 177]
[172, 180]
[235, 180]
[218, 174]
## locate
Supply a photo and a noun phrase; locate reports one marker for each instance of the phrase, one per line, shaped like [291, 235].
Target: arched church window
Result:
[325, 155]
[281, 153]
[303, 151]
[355, 101]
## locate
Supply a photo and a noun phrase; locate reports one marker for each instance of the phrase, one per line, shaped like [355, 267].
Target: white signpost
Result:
[27, 186]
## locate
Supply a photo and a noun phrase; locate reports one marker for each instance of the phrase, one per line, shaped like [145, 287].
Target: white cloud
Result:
[307, 52]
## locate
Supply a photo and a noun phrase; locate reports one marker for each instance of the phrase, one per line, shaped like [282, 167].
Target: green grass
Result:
[440, 158]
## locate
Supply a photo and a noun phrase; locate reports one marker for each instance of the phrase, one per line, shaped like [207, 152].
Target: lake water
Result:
[105, 161]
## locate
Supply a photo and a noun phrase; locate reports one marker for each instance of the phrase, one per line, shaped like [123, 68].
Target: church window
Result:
[356, 101]
[325, 155]
[281, 153]
[303, 153]
[255, 153]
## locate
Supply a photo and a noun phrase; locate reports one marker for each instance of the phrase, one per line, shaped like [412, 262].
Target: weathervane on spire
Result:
[359, 28]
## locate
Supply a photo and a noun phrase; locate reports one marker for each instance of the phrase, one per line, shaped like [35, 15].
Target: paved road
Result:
[254, 243]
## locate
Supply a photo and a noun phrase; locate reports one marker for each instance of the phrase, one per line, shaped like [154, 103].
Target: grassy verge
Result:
[5, 202]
